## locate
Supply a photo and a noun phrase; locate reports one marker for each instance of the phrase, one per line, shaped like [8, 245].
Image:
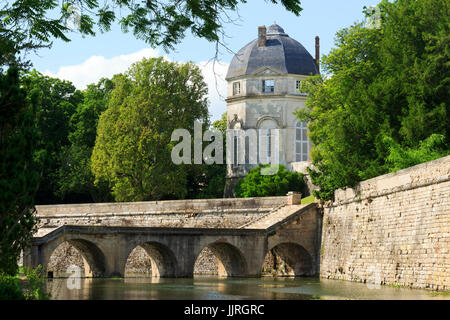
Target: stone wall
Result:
[210, 213]
[393, 229]
[206, 263]
[64, 257]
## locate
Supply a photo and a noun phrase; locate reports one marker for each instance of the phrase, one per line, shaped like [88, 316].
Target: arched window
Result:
[301, 142]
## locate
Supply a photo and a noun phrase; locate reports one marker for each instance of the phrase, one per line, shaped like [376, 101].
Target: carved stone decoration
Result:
[234, 121]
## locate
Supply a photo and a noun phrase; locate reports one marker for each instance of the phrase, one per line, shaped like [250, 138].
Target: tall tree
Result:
[58, 101]
[75, 179]
[207, 181]
[19, 172]
[133, 146]
[382, 86]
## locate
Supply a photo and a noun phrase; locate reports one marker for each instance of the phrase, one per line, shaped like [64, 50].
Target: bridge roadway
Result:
[293, 231]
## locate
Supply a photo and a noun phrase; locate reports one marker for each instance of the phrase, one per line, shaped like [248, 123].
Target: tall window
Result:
[268, 150]
[247, 149]
[268, 86]
[301, 142]
[269, 146]
[235, 150]
[236, 88]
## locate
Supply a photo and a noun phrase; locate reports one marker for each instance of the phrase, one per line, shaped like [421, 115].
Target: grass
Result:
[440, 293]
[308, 200]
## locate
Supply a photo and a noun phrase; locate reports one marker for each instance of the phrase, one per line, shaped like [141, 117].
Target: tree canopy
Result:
[383, 89]
[19, 168]
[207, 181]
[74, 177]
[133, 145]
[57, 101]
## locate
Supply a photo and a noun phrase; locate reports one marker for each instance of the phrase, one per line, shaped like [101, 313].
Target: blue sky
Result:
[85, 60]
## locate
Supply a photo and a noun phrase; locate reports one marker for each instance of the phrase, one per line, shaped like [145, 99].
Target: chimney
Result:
[318, 52]
[262, 36]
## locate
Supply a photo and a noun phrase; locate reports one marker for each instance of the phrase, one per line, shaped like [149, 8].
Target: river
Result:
[208, 288]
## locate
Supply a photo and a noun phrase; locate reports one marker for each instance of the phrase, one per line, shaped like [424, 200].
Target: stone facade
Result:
[393, 229]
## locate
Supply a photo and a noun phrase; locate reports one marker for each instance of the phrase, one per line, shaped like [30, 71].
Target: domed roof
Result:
[280, 52]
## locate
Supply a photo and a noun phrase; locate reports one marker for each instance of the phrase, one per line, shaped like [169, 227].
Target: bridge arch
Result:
[163, 260]
[288, 259]
[230, 261]
[93, 258]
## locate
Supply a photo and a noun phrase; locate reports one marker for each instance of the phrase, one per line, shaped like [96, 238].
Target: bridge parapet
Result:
[211, 213]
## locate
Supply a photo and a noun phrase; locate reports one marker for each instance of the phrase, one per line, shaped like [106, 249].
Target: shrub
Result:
[279, 184]
[10, 288]
[36, 284]
[33, 288]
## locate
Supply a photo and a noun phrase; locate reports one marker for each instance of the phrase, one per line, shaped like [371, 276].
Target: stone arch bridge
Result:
[240, 233]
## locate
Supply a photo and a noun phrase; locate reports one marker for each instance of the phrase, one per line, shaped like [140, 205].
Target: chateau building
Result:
[264, 78]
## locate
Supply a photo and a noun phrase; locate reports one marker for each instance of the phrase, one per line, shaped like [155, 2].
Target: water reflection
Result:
[207, 288]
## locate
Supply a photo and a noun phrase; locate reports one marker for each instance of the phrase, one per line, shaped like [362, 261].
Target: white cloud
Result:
[96, 67]
[214, 75]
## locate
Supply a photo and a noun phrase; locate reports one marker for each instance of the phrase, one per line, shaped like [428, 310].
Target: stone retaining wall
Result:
[393, 229]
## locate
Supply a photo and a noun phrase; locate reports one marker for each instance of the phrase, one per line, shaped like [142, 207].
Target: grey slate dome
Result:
[280, 52]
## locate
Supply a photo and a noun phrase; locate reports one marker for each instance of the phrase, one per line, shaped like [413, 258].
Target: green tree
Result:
[221, 124]
[75, 179]
[403, 157]
[58, 100]
[32, 24]
[208, 181]
[387, 82]
[133, 145]
[19, 171]
[256, 185]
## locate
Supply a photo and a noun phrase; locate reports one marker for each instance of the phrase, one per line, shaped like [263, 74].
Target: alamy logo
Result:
[243, 147]
[373, 20]
[74, 280]
[374, 280]
[73, 20]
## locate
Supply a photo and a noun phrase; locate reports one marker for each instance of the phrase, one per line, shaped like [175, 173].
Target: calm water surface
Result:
[228, 289]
